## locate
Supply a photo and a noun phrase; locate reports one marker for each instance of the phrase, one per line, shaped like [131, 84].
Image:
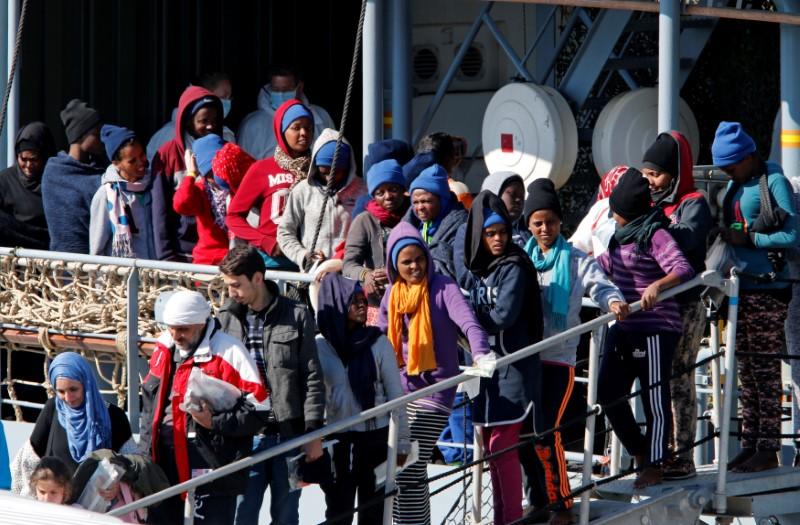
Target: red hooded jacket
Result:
[266, 187]
[175, 235]
[685, 188]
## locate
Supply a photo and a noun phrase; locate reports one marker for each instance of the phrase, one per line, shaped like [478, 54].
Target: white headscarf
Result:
[186, 308]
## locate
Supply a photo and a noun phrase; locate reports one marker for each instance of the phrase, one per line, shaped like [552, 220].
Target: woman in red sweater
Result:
[205, 197]
[255, 212]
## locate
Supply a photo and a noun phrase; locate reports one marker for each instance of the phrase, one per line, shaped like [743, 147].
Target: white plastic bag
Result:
[220, 395]
[104, 476]
[483, 366]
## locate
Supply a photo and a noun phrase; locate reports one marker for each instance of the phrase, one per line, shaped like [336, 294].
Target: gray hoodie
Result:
[341, 403]
[305, 203]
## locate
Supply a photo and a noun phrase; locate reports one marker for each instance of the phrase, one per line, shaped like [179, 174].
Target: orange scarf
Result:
[414, 300]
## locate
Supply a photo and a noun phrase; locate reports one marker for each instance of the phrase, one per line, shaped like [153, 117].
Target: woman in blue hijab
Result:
[75, 423]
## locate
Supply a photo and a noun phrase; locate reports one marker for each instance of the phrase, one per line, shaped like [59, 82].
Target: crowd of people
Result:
[413, 281]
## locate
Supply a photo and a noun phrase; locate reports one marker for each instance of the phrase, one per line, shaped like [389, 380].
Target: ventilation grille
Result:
[426, 64]
[472, 65]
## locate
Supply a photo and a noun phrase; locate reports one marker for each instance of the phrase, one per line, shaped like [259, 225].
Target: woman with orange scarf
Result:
[422, 312]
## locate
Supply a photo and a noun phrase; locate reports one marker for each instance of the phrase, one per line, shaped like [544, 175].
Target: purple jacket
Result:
[450, 312]
[632, 272]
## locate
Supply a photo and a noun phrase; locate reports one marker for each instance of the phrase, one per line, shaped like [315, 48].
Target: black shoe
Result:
[676, 468]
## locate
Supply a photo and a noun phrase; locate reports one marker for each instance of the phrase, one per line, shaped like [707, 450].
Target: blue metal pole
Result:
[790, 94]
[4, 10]
[372, 83]
[401, 70]
[506, 46]
[12, 113]
[451, 72]
[669, 33]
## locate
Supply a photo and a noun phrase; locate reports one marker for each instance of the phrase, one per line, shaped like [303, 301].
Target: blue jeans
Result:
[284, 505]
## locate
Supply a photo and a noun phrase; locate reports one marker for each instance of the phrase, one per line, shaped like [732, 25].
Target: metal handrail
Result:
[125, 262]
[708, 278]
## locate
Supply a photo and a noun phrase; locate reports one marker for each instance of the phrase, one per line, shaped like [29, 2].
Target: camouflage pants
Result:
[793, 347]
[759, 329]
[682, 389]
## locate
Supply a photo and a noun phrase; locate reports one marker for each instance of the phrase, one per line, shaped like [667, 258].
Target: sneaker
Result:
[678, 468]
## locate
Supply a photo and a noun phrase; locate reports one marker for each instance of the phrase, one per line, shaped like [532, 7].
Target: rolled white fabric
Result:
[186, 308]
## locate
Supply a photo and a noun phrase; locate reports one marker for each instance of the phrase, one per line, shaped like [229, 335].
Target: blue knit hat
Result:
[200, 103]
[414, 167]
[433, 179]
[324, 155]
[385, 172]
[396, 149]
[205, 148]
[731, 144]
[293, 113]
[113, 137]
[400, 244]
[492, 218]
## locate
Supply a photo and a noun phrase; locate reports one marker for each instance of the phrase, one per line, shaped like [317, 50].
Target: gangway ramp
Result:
[770, 497]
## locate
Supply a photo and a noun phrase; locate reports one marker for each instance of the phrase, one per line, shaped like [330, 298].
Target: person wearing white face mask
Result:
[255, 135]
[220, 85]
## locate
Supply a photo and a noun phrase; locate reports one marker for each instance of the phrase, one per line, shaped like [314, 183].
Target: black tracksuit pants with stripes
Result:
[647, 357]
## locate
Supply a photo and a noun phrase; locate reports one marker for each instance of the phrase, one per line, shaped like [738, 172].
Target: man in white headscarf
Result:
[190, 435]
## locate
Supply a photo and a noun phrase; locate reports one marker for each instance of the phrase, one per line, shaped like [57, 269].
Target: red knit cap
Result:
[230, 164]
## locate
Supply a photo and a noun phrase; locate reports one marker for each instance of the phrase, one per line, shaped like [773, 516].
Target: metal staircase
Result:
[770, 497]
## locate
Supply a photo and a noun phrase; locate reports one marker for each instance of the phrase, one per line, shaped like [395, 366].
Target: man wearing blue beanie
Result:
[437, 214]
[759, 239]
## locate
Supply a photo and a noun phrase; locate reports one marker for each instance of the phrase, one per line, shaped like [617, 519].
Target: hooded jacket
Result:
[450, 312]
[494, 182]
[265, 187]
[166, 132]
[231, 435]
[688, 212]
[175, 235]
[68, 187]
[504, 293]
[101, 233]
[22, 219]
[255, 135]
[308, 199]
[443, 242]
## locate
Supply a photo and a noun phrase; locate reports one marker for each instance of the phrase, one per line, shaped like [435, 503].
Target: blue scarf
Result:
[557, 258]
[89, 426]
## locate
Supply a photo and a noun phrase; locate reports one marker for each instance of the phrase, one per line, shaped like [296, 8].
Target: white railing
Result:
[596, 326]
[125, 267]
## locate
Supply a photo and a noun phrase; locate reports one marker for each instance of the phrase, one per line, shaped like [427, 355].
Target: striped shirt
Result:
[632, 272]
